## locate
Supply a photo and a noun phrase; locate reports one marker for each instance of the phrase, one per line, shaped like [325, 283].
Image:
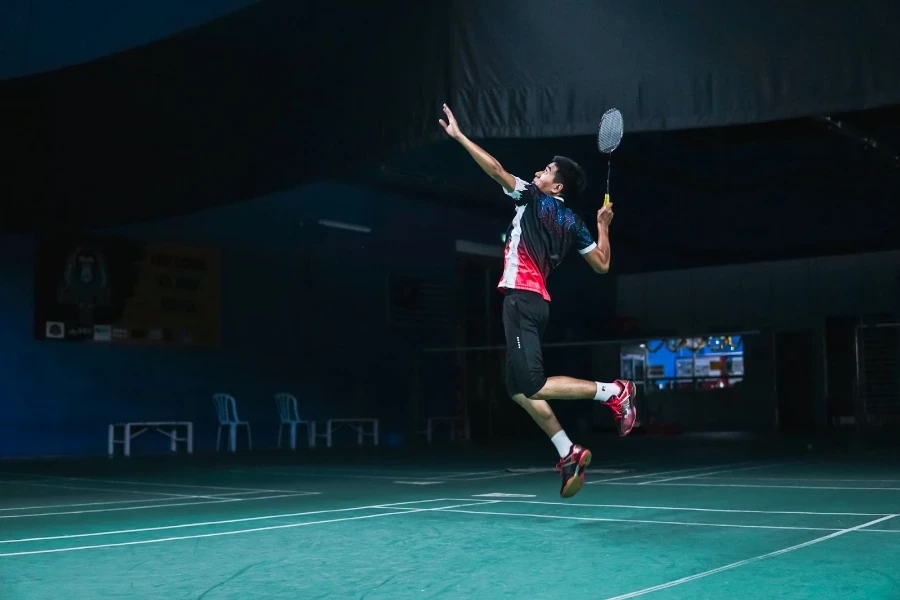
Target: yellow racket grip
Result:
[606, 200]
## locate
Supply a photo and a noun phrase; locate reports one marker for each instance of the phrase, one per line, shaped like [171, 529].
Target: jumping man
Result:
[542, 232]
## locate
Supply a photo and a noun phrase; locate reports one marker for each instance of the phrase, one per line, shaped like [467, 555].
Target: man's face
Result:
[544, 180]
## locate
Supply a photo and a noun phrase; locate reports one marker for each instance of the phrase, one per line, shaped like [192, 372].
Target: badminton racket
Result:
[609, 135]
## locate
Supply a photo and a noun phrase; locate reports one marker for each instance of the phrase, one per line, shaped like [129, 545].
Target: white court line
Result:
[158, 484]
[470, 474]
[77, 504]
[108, 490]
[327, 475]
[241, 531]
[645, 521]
[803, 479]
[396, 477]
[689, 509]
[504, 473]
[207, 523]
[503, 476]
[379, 471]
[749, 560]
[148, 507]
[742, 485]
[410, 509]
[762, 466]
[108, 502]
[595, 465]
[645, 475]
[406, 476]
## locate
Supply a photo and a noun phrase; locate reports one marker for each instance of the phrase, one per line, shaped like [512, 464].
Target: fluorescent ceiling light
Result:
[347, 226]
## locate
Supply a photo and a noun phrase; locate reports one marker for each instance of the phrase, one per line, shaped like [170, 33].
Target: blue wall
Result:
[318, 333]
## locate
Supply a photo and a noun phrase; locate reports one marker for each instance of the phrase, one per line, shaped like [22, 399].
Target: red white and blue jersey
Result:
[538, 239]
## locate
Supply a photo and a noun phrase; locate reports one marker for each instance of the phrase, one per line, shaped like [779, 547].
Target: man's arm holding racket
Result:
[488, 163]
[599, 257]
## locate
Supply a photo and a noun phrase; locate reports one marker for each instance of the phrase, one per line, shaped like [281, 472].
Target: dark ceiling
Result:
[245, 107]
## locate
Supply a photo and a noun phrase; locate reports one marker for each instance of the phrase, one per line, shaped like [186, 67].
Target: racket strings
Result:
[608, 139]
[610, 133]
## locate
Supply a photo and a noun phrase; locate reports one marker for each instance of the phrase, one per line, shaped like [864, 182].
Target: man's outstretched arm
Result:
[599, 257]
[488, 163]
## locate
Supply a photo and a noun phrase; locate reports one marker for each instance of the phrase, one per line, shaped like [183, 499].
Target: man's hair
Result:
[570, 174]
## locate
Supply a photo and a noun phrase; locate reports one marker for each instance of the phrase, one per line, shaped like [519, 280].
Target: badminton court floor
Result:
[786, 528]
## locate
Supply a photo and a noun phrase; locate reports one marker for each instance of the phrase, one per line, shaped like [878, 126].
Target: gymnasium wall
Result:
[780, 295]
[773, 297]
[316, 329]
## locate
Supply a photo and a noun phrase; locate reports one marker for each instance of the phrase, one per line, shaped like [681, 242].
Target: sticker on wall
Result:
[55, 330]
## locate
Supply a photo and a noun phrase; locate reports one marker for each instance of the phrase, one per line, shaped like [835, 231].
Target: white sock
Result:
[605, 391]
[562, 442]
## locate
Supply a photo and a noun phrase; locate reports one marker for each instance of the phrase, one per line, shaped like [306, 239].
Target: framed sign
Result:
[106, 289]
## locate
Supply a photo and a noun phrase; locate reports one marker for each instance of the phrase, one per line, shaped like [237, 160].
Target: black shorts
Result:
[525, 316]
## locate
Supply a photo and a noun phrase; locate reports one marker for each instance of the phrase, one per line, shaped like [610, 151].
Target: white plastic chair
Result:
[226, 409]
[289, 416]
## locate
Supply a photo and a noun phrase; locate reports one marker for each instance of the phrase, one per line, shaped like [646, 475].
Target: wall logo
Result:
[85, 283]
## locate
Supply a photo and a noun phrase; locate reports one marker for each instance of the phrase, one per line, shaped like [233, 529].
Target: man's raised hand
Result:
[450, 125]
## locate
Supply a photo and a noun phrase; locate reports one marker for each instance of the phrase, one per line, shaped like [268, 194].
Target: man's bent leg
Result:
[618, 395]
[524, 318]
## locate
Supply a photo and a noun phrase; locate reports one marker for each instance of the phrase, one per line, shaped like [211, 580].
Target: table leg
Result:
[190, 438]
[111, 440]
[127, 439]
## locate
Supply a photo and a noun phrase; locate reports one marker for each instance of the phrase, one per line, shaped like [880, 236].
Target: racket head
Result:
[609, 134]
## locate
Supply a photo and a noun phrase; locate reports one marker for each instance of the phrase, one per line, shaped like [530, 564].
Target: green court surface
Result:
[782, 527]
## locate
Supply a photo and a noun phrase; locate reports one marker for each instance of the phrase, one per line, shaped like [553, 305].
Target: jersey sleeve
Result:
[584, 242]
[523, 192]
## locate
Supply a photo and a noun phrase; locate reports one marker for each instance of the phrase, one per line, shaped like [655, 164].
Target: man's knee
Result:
[519, 399]
[537, 382]
[527, 392]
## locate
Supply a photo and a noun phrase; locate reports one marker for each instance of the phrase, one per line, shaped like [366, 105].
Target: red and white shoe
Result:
[623, 407]
[572, 468]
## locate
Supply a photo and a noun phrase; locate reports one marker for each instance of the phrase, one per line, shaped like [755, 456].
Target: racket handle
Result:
[606, 200]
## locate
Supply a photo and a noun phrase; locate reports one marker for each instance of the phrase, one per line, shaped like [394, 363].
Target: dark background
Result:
[756, 188]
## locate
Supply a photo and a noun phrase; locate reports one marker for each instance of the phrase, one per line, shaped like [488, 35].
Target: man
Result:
[542, 232]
